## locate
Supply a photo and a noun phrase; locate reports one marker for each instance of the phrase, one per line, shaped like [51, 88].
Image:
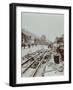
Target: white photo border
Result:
[19, 79]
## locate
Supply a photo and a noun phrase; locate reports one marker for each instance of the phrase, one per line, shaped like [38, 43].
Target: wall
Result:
[4, 45]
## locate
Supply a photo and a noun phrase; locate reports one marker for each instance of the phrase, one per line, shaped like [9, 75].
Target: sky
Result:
[50, 25]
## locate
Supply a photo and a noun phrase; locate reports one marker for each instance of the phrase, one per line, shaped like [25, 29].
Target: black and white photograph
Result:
[42, 44]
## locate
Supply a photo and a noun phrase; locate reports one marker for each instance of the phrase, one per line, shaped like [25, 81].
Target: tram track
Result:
[32, 56]
[36, 69]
